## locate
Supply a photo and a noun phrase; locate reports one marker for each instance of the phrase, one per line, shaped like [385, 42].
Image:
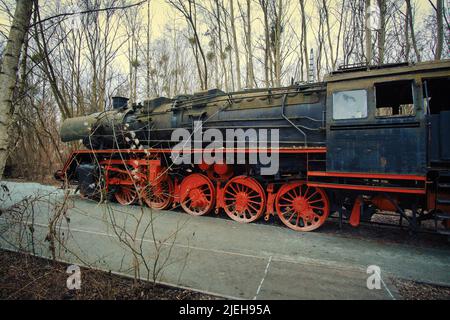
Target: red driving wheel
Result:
[158, 195]
[245, 199]
[126, 194]
[197, 195]
[302, 208]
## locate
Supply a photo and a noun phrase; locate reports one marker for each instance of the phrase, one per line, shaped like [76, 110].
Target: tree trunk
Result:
[222, 52]
[407, 43]
[341, 25]
[305, 38]
[330, 43]
[147, 80]
[277, 42]
[440, 29]
[411, 29]
[192, 18]
[250, 70]
[368, 34]
[382, 31]
[47, 67]
[229, 48]
[264, 7]
[8, 74]
[235, 44]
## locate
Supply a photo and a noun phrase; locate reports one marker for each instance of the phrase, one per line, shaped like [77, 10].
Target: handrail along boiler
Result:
[364, 140]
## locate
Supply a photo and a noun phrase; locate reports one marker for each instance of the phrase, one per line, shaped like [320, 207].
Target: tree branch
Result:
[89, 11]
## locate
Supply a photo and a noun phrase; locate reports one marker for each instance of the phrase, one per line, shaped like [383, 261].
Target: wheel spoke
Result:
[297, 220]
[292, 215]
[292, 196]
[288, 200]
[300, 192]
[315, 201]
[314, 193]
[253, 208]
[254, 202]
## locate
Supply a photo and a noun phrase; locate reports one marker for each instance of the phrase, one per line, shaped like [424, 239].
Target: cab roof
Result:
[355, 72]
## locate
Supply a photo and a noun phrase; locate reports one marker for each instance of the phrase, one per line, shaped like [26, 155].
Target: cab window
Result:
[350, 104]
[394, 99]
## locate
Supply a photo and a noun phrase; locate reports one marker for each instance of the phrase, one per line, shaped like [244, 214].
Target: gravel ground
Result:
[23, 276]
[411, 290]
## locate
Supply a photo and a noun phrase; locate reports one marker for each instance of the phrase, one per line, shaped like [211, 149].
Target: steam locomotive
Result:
[367, 139]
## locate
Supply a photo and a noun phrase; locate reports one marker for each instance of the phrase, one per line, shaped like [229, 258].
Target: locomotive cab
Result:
[378, 120]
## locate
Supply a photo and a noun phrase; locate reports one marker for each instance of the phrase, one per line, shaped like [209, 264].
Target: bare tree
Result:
[319, 36]
[133, 28]
[8, 74]
[304, 35]
[47, 63]
[189, 12]
[222, 53]
[330, 44]
[147, 56]
[440, 28]
[235, 45]
[382, 31]
[278, 12]
[409, 28]
[264, 4]
[369, 53]
[247, 22]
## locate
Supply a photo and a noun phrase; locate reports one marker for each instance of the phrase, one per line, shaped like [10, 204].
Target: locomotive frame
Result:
[391, 153]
